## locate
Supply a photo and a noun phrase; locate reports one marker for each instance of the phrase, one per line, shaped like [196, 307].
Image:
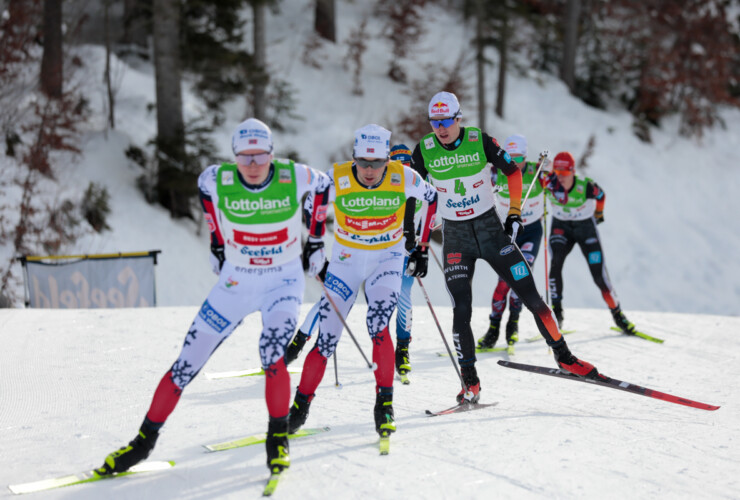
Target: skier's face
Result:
[254, 165]
[446, 134]
[370, 170]
[565, 178]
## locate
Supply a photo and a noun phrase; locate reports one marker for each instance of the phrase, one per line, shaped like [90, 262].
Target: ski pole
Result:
[547, 276]
[447, 346]
[346, 326]
[336, 372]
[436, 259]
[543, 160]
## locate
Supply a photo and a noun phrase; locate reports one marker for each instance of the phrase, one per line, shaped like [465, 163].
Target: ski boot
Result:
[278, 458]
[471, 394]
[512, 329]
[557, 308]
[621, 321]
[403, 363]
[565, 360]
[295, 347]
[384, 418]
[489, 339]
[136, 451]
[299, 411]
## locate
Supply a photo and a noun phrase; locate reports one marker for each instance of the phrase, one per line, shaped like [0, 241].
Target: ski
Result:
[613, 383]
[85, 477]
[272, 483]
[252, 372]
[459, 408]
[385, 444]
[639, 334]
[259, 438]
[540, 337]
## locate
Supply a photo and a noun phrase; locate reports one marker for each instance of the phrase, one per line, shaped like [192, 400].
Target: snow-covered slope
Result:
[76, 384]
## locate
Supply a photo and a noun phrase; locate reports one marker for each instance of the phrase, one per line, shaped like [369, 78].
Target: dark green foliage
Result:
[136, 155]
[95, 206]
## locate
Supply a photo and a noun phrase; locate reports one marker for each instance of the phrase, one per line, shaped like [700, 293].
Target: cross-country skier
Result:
[399, 152]
[576, 210]
[457, 161]
[528, 240]
[253, 212]
[374, 200]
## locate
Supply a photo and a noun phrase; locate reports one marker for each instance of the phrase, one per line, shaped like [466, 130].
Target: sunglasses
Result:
[563, 172]
[445, 122]
[259, 159]
[517, 159]
[374, 164]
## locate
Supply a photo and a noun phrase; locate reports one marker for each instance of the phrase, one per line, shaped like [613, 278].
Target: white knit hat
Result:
[251, 134]
[444, 105]
[516, 145]
[372, 141]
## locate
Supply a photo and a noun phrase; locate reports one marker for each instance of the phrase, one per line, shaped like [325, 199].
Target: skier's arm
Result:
[206, 186]
[417, 188]
[594, 191]
[321, 200]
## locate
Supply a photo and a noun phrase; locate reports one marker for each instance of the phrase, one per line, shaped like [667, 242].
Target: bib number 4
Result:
[460, 187]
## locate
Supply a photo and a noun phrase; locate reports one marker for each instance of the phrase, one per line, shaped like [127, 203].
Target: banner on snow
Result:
[91, 281]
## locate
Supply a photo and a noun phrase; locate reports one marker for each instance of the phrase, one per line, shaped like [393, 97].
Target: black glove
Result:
[513, 225]
[308, 249]
[218, 252]
[418, 262]
[599, 217]
[409, 239]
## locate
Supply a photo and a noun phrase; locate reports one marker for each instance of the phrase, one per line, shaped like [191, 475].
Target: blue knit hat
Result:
[401, 152]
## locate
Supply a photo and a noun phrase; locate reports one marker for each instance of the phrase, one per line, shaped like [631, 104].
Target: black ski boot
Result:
[384, 419]
[136, 451]
[295, 347]
[278, 457]
[489, 339]
[557, 308]
[622, 322]
[403, 361]
[512, 329]
[299, 411]
[471, 394]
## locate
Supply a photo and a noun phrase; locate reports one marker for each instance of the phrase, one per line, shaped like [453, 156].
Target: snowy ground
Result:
[75, 385]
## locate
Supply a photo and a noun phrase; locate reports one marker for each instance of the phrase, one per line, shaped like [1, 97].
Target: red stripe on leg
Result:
[313, 371]
[277, 389]
[383, 357]
[165, 399]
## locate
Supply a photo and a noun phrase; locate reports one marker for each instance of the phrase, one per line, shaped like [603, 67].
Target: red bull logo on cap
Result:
[440, 109]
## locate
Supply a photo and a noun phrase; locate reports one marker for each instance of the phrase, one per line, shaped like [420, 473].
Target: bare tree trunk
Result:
[51, 61]
[480, 64]
[136, 26]
[570, 38]
[260, 59]
[109, 88]
[170, 124]
[503, 51]
[325, 22]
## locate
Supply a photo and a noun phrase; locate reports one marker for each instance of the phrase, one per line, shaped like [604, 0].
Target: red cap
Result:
[564, 163]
